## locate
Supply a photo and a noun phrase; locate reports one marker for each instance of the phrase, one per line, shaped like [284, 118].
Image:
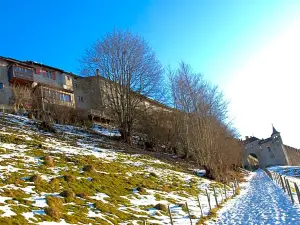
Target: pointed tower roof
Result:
[274, 131]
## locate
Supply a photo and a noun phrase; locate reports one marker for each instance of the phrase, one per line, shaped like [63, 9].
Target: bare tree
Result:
[203, 133]
[131, 70]
[22, 96]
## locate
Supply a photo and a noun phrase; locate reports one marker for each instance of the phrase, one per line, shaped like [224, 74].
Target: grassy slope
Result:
[100, 185]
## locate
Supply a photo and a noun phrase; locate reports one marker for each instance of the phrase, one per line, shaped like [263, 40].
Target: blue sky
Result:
[249, 48]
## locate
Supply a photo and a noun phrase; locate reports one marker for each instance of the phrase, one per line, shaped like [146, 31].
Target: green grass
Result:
[68, 175]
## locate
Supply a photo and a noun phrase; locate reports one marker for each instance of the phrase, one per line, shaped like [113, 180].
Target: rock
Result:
[46, 127]
[162, 207]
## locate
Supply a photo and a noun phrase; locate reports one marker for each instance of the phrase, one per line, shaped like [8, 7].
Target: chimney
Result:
[247, 137]
[97, 72]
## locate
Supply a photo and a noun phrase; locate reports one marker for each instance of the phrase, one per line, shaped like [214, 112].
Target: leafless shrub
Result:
[83, 195]
[161, 207]
[69, 178]
[54, 212]
[89, 168]
[69, 195]
[156, 129]
[35, 178]
[22, 96]
[201, 127]
[55, 207]
[48, 161]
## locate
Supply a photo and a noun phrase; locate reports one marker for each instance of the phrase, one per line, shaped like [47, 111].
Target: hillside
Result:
[78, 177]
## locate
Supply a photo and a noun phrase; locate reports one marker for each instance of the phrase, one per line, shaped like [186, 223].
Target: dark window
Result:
[53, 75]
[1, 85]
[23, 70]
[49, 74]
[80, 99]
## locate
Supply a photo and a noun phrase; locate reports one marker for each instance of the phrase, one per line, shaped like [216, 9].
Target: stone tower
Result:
[278, 140]
[275, 134]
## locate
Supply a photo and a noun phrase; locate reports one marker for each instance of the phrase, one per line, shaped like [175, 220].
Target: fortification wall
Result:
[293, 155]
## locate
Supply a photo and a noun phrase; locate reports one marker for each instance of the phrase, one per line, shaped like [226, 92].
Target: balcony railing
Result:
[98, 113]
[4, 107]
[22, 73]
[58, 102]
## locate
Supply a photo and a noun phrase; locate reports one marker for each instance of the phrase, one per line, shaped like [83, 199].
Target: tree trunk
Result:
[186, 153]
[125, 134]
[209, 173]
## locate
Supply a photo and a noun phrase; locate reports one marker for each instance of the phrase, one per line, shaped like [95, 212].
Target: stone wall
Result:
[269, 152]
[293, 155]
[5, 90]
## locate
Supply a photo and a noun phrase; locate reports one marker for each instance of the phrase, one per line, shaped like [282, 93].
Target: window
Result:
[60, 96]
[67, 98]
[1, 85]
[43, 72]
[64, 97]
[38, 70]
[80, 99]
[22, 69]
[53, 75]
[49, 74]
[68, 77]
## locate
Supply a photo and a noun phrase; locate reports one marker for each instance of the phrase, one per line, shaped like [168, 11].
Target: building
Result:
[55, 85]
[269, 152]
[91, 95]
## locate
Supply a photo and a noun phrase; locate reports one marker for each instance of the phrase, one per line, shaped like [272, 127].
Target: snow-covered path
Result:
[261, 203]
